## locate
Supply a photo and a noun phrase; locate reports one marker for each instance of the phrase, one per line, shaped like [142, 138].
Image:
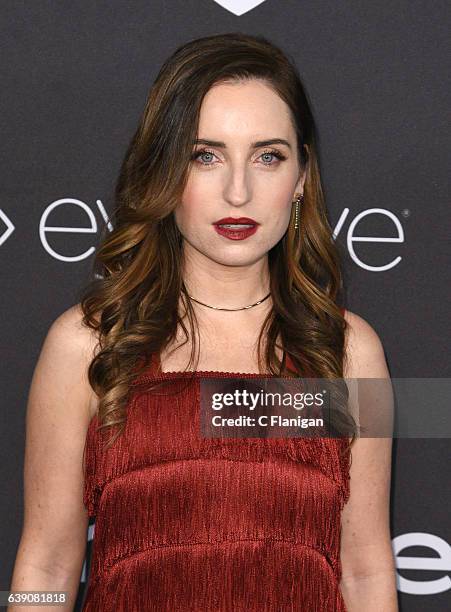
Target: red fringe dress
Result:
[187, 523]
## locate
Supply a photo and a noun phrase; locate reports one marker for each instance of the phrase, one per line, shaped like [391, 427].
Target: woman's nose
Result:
[238, 190]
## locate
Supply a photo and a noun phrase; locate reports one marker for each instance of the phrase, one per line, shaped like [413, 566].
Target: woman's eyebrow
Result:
[254, 145]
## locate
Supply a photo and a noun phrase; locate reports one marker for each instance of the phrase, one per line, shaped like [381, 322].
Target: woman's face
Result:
[233, 174]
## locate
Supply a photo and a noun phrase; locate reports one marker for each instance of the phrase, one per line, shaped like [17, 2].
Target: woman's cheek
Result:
[193, 224]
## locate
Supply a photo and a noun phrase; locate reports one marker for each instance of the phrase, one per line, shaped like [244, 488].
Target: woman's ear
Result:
[302, 171]
[301, 180]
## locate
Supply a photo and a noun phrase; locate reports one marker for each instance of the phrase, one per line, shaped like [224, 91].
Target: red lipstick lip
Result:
[242, 220]
[239, 233]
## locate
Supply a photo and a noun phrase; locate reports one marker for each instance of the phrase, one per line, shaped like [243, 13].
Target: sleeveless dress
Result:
[194, 524]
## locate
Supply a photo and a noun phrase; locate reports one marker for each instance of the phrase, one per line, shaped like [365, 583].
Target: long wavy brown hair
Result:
[132, 301]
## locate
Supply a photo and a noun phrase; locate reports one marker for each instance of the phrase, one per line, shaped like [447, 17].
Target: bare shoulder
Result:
[365, 548]
[68, 349]
[69, 325]
[365, 356]
[57, 419]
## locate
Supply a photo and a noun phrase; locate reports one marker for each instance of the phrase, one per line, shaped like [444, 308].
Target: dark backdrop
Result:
[75, 76]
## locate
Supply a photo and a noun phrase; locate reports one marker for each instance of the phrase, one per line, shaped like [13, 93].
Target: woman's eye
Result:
[206, 157]
[198, 154]
[277, 154]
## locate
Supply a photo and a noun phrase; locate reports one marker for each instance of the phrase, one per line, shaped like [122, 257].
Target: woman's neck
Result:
[226, 286]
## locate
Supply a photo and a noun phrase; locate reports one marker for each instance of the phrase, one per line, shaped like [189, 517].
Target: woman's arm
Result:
[52, 547]
[368, 570]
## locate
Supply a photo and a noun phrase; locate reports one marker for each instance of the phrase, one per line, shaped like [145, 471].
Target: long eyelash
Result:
[199, 152]
[274, 152]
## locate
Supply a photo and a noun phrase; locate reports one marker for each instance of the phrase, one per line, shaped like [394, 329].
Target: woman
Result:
[221, 263]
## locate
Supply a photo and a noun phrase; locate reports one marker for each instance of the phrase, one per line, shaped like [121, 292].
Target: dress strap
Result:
[154, 363]
[289, 362]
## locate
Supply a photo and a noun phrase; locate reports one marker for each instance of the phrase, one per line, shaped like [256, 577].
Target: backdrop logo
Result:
[45, 229]
[349, 225]
[8, 227]
[352, 238]
[439, 561]
[239, 7]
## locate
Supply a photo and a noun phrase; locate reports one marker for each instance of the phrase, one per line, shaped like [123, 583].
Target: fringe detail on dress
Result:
[228, 525]
[92, 488]
[235, 576]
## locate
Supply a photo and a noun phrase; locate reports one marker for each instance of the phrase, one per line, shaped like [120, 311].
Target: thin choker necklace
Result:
[217, 308]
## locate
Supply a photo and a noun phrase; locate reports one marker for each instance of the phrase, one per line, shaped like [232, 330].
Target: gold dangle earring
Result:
[298, 201]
